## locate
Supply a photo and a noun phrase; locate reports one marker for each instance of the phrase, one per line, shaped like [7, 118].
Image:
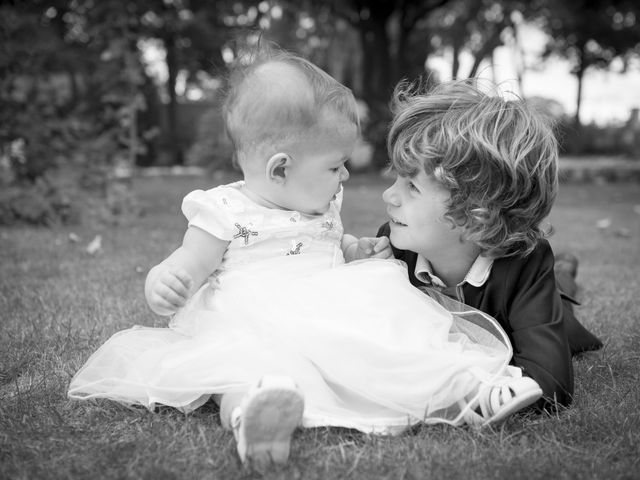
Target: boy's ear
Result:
[277, 166]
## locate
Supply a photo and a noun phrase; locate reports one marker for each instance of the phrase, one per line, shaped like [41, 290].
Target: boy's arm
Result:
[170, 284]
[535, 316]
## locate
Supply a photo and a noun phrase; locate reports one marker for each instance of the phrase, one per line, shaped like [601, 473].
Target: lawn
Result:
[58, 304]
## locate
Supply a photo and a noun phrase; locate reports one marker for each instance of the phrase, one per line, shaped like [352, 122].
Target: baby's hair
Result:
[266, 106]
[497, 158]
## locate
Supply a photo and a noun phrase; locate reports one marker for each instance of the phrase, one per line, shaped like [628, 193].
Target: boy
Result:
[476, 175]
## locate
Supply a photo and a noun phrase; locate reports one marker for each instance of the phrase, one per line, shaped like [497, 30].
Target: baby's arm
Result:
[366, 247]
[170, 283]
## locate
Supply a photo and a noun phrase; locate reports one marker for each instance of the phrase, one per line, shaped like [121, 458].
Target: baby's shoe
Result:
[265, 420]
[497, 402]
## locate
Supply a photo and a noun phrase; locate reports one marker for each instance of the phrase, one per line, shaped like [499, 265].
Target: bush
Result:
[40, 203]
[212, 148]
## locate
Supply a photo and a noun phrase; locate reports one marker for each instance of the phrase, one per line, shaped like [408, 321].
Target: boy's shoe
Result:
[265, 420]
[497, 402]
[566, 262]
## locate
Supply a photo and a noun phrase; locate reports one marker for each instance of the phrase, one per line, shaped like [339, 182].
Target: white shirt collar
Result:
[476, 276]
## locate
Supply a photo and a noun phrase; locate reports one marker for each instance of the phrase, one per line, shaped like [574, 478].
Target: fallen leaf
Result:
[622, 232]
[73, 238]
[603, 223]
[95, 245]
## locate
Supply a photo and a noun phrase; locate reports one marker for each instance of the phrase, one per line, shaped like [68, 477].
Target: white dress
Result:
[368, 350]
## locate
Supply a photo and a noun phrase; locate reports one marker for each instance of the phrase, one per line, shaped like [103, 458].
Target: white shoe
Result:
[265, 420]
[497, 402]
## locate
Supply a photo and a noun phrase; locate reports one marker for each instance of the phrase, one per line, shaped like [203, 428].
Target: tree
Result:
[393, 47]
[192, 33]
[475, 26]
[592, 33]
[86, 124]
[385, 28]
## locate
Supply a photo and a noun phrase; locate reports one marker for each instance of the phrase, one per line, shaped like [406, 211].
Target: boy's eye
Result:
[413, 187]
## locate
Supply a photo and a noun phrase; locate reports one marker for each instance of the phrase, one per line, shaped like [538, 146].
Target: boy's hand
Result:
[373, 247]
[168, 289]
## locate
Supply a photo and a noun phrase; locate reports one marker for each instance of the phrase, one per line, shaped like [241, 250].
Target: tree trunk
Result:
[172, 111]
[580, 77]
[377, 62]
[455, 64]
[477, 60]
[520, 62]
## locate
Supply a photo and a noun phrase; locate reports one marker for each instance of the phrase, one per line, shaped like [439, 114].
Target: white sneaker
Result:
[265, 420]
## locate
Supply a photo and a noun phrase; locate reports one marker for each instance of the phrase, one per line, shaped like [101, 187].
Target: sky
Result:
[607, 96]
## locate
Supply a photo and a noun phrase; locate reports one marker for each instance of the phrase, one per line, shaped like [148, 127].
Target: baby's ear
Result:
[277, 166]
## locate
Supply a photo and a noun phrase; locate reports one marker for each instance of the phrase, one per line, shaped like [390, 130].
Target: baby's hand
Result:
[372, 247]
[168, 290]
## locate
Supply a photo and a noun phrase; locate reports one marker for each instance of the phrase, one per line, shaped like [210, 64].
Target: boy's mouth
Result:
[395, 221]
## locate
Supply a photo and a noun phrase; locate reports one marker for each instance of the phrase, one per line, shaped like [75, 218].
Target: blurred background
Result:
[92, 92]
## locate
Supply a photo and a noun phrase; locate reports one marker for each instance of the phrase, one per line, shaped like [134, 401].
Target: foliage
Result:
[74, 89]
[40, 203]
[592, 33]
[392, 47]
[32, 137]
[212, 148]
[65, 110]
[192, 33]
[476, 26]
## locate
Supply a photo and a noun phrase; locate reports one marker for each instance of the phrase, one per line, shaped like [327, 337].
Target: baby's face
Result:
[416, 208]
[318, 170]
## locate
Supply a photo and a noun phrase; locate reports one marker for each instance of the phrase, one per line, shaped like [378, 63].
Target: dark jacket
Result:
[521, 294]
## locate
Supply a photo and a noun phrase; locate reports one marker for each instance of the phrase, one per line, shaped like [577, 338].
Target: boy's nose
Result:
[389, 196]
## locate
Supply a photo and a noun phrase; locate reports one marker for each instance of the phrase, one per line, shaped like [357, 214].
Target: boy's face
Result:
[318, 170]
[416, 207]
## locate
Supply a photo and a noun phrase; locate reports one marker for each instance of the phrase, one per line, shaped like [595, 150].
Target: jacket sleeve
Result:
[384, 230]
[535, 315]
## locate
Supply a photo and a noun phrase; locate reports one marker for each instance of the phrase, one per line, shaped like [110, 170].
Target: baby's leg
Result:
[263, 420]
[228, 402]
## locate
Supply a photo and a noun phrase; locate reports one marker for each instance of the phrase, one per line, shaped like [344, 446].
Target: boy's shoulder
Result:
[519, 271]
[540, 257]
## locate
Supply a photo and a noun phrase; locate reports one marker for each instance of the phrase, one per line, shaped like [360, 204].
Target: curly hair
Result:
[496, 157]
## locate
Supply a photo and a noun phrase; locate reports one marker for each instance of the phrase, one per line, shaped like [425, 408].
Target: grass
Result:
[58, 304]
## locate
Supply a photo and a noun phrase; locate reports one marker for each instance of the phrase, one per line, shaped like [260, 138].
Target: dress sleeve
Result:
[211, 211]
[535, 315]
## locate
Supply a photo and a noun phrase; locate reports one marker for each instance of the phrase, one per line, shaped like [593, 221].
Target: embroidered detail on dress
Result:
[296, 249]
[329, 225]
[244, 232]
[292, 219]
